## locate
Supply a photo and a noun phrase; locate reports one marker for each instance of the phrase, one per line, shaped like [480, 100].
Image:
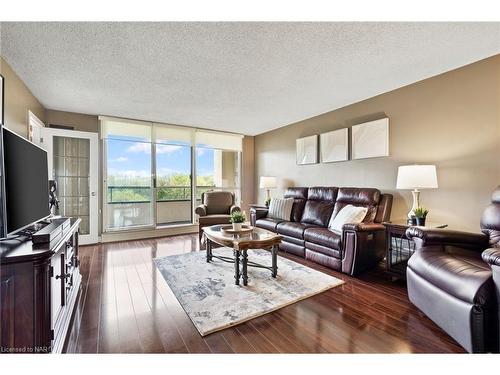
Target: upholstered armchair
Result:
[216, 208]
[449, 281]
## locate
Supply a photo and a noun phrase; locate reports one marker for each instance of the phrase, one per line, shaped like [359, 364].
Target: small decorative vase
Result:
[237, 226]
[421, 221]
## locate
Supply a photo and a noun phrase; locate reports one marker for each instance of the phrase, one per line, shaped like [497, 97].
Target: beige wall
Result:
[247, 174]
[79, 121]
[18, 100]
[451, 120]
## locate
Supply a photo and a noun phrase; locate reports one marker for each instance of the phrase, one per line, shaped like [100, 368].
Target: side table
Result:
[400, 248]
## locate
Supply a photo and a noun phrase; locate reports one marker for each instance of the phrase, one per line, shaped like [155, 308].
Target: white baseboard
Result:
[149, 233]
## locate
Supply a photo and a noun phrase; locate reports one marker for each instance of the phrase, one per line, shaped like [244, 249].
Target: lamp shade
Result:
[267, 182]
[417, 177]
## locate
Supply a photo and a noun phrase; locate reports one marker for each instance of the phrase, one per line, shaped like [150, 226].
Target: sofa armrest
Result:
[257, 213]
[260, 213]
[363, 246]
[492, 256]
[201, 210]
[444, 237]
[234, 208]
[363, 227]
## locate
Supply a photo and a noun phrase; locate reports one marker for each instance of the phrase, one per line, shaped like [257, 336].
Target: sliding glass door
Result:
[154, 174]
[174, 204]
[127, 175]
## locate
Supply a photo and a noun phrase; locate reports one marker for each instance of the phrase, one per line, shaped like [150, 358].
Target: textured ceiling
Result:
[241, 77]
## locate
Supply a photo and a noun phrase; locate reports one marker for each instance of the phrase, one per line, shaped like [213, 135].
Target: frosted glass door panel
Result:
[72, 173]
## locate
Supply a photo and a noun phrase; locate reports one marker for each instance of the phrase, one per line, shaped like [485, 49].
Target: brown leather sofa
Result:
[359, 247]
[216, 208]
[453, 286]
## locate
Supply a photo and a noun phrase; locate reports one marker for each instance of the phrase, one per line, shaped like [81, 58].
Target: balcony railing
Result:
[142, 194]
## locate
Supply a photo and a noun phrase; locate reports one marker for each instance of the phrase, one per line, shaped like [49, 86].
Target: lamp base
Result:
[416, 203]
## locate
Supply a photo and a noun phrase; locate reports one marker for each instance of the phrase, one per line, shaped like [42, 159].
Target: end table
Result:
[400, 248]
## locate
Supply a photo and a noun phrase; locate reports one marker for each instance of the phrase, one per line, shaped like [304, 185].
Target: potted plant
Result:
[237, 219]
[267, 202]
[421, 214]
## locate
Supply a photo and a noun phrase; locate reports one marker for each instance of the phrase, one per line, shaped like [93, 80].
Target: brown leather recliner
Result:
[453, 286]
[216, 208]
[359, 246]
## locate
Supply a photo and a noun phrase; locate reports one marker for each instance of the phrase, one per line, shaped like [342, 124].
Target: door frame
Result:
[48, 144]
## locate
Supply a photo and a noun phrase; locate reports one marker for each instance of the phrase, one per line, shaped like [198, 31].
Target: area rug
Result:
[213, 302]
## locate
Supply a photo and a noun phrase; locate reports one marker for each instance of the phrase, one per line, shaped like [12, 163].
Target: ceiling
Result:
[242, 77]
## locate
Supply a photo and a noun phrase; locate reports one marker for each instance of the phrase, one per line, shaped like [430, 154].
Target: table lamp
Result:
[416, 177]
[268, 183]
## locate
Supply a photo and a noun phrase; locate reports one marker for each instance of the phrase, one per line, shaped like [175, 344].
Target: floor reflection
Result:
[126, 306]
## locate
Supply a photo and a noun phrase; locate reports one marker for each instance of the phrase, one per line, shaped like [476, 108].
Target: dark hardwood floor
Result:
[126, 307]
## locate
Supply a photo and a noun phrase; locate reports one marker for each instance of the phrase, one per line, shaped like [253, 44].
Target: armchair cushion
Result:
[214, 219]
[218, 202]
[464, 277]
[446, 237]
[201, 210]
[492, 256]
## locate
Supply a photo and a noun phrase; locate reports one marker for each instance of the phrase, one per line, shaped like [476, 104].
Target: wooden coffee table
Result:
[257, 239]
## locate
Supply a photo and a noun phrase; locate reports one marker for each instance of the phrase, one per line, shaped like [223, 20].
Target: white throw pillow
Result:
[348, 214]
[280, 208]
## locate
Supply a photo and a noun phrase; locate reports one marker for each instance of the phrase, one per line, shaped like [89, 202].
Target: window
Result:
[218, 163]
[148, 171]
[128, 182]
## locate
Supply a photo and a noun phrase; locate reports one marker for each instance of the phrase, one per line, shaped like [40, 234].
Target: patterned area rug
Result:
[213, 302]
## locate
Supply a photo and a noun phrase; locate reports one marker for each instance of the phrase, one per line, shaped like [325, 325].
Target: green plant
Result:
[421, 212]
[237, 217]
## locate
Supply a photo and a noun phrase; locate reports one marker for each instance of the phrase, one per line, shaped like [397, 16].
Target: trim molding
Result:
[150, 233]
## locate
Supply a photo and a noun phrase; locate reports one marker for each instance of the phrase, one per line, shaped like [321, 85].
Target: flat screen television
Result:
[25, 181]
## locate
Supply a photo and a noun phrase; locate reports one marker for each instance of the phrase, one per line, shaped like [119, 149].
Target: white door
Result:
[73, 163]
[35, 129]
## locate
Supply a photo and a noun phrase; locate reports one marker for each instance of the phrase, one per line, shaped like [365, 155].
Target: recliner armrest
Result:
[363, 227]
[234, 208]
[259, 212]
[201, 210]
[491, 256]
[446, 237]
[363, 246]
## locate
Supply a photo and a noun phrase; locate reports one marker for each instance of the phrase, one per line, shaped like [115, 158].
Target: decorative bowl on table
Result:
[228, 229]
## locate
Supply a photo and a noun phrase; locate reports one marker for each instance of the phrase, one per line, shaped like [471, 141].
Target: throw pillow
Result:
[348, 214]
[280, 208]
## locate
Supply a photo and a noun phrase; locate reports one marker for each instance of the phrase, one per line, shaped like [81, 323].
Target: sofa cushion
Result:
[359, 197]
[299, 196]
[292, 229]
[463, 276]
[323, 236]
[319, 205]
[268, 223]
[329, 251]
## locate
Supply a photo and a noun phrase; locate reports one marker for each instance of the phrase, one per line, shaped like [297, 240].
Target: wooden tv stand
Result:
[39, 289]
